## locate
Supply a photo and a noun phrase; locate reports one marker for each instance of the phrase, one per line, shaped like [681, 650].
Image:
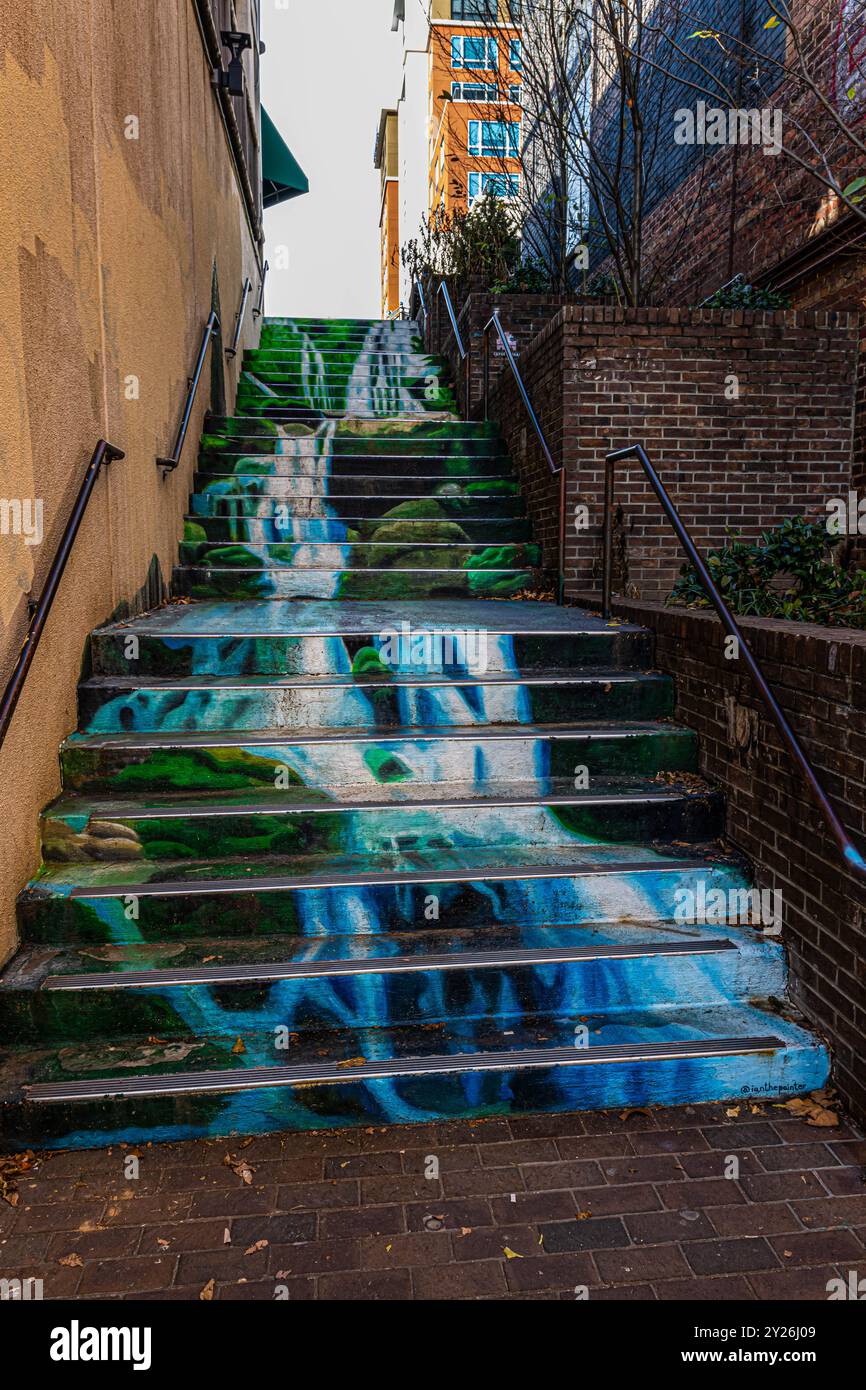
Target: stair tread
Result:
[349, 682]
[364, 1054]
[412, 733]
[160, 978]
[254, 957]
[353, 617]
[421, 864]
[461, 795]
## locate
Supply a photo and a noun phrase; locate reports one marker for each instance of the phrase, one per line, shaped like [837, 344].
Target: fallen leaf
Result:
[207, 1292]
[259, 1245]
[512, 1254]
[824, 1119]
[72, 1261]
[239, 1047]
[240, 1168]
[163, 1244]
[466, 1230]
[733, 1112]
[352, 1062]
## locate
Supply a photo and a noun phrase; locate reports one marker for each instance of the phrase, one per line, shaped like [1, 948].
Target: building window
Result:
[515, 10]
[493, 139]
[500, 185]
[483, 91]
[476, 9]
[474, 52]
[515, 55]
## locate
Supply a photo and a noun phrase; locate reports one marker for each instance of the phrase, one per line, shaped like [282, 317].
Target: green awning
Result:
[282, 175]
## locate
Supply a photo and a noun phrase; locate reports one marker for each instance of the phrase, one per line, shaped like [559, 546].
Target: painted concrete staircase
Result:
[395, 853]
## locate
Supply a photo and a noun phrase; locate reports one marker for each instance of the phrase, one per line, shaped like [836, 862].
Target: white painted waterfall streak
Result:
[376, 386]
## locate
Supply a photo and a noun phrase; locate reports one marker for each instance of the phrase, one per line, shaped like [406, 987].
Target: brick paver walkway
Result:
[626, 1205]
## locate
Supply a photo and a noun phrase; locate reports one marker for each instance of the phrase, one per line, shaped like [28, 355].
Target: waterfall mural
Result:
[373, 836]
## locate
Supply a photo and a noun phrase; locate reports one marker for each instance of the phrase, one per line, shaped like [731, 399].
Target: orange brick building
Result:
[474, 103]
[457, 128]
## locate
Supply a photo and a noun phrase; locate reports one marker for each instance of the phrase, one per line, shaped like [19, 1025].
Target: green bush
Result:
[788, 573]
[739, 295]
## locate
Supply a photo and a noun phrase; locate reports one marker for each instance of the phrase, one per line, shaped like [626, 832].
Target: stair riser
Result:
[416, 1099]
[231, 446]
[408, 554]
[285, 362]
[338, 467]
[373, 398]
[586, 991]
[257, 504]
[380, 708]
[350, 584]
[224, 530]
[341, 766]
[359, 485]
[335, 831]
[418, 654]
[475, 902]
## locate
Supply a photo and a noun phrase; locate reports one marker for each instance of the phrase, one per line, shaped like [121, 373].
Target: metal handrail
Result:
[463, 352]
[232, 349]
[421, 299]
[104, 453]
[211, 328]
[850, 852]
[556, 469]
[260, 305]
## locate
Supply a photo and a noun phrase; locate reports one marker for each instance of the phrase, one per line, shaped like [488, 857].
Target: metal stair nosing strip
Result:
[381, 877]
[257, 1078]
[380, 965]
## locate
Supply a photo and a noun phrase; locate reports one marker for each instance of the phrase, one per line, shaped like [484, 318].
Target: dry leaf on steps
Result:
[207, 1292]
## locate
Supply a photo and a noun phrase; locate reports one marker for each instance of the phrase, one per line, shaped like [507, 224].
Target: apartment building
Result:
[459, 109]
[386, 160]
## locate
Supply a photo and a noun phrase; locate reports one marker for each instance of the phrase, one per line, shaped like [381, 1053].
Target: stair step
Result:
[364, 639]
[203, 583]
[399, 428]
[123, 704]
[230, 761]
[412, 554]
[373, 506]
[386, 965]
[300, 819]
[291, 487]
[386, 891]
[330, 467]
[261, 530]
[90, 1095]
[241, 1079]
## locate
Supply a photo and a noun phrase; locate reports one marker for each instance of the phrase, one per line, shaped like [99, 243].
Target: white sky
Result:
[330, 67]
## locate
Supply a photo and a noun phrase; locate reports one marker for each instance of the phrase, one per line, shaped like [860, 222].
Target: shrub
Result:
[788, 573]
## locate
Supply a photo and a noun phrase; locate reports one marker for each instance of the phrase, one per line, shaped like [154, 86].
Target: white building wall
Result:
[413, 127]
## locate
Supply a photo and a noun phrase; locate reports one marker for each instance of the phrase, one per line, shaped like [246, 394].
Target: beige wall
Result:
[106, 247]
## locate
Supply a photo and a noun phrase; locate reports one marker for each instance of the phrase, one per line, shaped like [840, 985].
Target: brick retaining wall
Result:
[601, 377]
[819, 677]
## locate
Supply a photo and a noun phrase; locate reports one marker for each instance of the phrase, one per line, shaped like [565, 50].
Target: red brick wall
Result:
[601, 378]
[819, 677]
[522, 315]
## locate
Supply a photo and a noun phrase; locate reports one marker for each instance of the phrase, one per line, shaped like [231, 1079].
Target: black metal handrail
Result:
[232, 349]
[421, 299]
[556, 469]
[104, 453]
[260, 305]
[211, 329]
[852, 855]
[463, 351]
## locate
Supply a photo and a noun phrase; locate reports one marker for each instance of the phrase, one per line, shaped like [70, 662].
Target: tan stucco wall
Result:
[106, 251]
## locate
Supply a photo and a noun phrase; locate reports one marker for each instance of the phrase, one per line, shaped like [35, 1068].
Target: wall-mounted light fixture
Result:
[232, 79]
